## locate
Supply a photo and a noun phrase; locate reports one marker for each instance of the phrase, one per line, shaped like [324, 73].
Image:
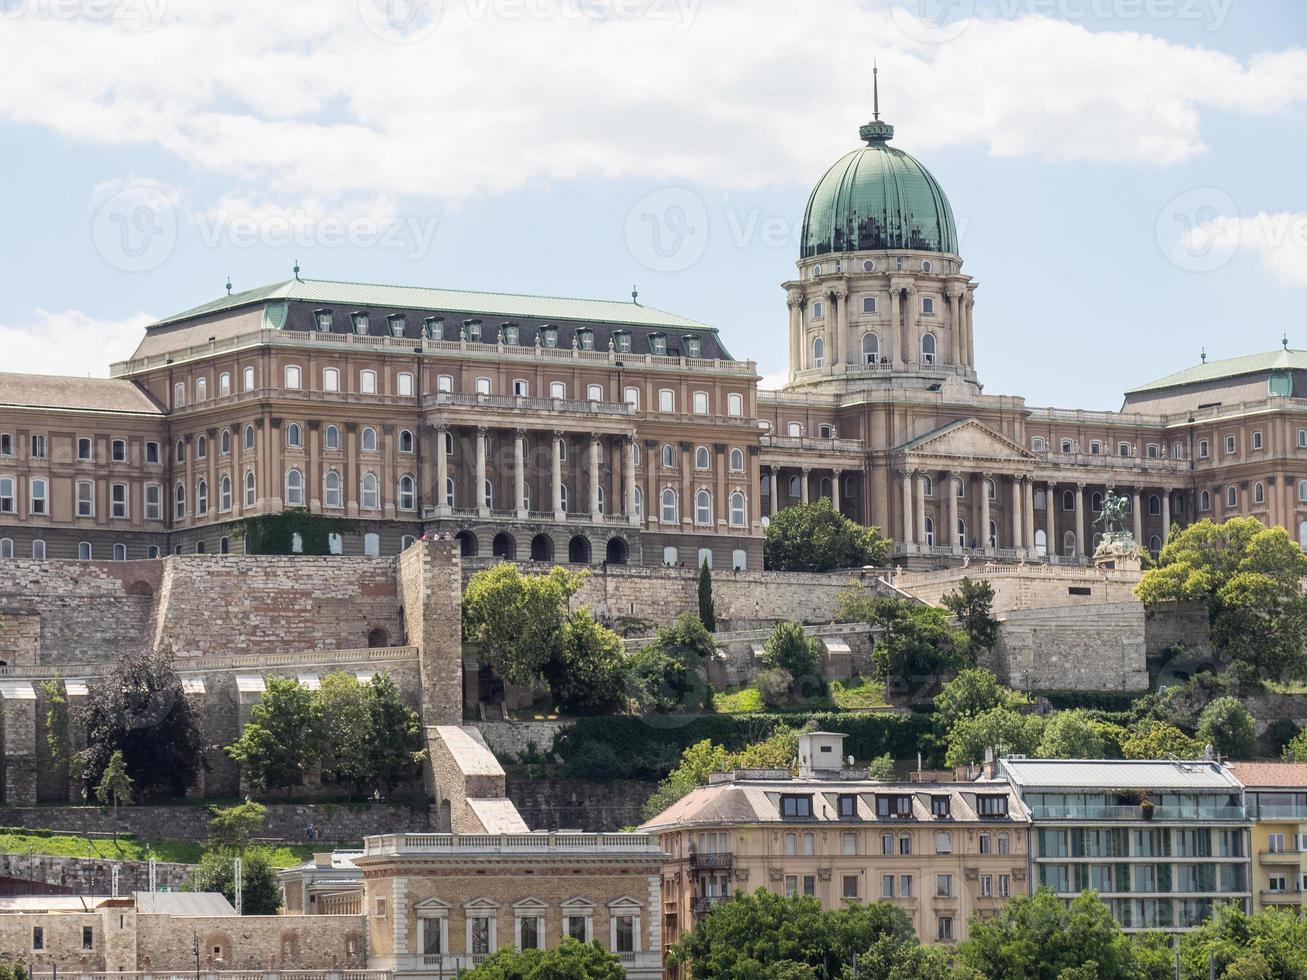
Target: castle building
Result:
[596, 431]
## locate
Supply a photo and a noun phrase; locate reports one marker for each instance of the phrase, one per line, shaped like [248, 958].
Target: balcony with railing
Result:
[704, 904]
[403, 845]
[813, 444]
[1135, 812]
[711, 860]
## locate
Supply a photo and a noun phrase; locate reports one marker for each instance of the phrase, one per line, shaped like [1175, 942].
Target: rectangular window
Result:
[666, 400]
[152, 453]
[39, 495]
[530, 933]
[576, 927]
[85, 499]
[153, 502]
[1004, 886]
[657, 345]
[869, 304]
[701, 403]
[886, 886]
[986, 843]
[1229, 445]
[991, 806]
[38, 447]
[791, 885]
[905, 844]
[118, 500]
[943, 843]
[431, 945]
[986, 886]
[939, 806]
[7, 504]
[622, 341]
[1257, 440]
[38, 938]
[810, 885]
[625, 934]
[88, 937]
[796, 806]
[850, 886]
[893, 806]
[848, 806]
[849, 843]
[943, 886]
[905, 886]
[886, 843]
[945, 931]
[6, 443]
[118, 451]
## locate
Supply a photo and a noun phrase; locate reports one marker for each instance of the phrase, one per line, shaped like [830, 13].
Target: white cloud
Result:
[298, 99]
[71, 343]
[774, 382]
[1278, 240]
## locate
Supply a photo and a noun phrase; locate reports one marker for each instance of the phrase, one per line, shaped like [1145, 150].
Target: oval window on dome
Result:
[926, 265]
[869, 266]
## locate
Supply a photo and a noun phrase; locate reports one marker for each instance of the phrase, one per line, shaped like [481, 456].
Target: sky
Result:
[1126, 174]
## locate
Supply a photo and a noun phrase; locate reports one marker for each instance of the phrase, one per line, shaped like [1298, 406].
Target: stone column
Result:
[969, 305]
[556, 476]
[908, 506]
[1050, 518]
[896, 331]
[795, 302]
[1137, 510]
[835, 490]
[1080, 520]
[1166, 514]
[914, 342]
[803, 488]
[628, 473]
[482, 509]
[594, 477]
[1028, 500]
[775, 489]
[519, 474]
[442, 472]
[950, 481]
[835, 351]
[984, 513]
[921, 508]
[1018, 537]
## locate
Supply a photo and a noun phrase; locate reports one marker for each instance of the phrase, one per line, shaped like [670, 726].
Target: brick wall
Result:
[252, 942]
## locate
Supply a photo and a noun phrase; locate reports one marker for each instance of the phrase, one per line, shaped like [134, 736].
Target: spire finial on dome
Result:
[1203, 355]
[876, 131]
[1285, 341]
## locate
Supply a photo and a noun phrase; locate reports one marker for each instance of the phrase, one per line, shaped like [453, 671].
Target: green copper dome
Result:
[878, 197]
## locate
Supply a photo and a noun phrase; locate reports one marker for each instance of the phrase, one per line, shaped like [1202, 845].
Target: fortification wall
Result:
[92, 876]
[570, 804]
[1084, 648]
[1033, 586]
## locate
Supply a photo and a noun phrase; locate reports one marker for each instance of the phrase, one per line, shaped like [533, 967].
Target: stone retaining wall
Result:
[92, 876]
[569, 804]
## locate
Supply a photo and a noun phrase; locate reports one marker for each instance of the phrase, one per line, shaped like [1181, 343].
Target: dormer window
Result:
[585, 339]
[472, 331]
[848, 805]
[509, 333]
[622, 342]
[658, 344]
[433, 328]
[322, 319]
[396, 323]
[796, 806]
[548, 336]
[992, 806]
[360, 321]
[693, 347]
[939, 806]
[893, 805]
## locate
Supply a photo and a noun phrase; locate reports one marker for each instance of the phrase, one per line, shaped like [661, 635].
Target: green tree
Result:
[1229, 728]
[1153, 739]
[141, 711]
[972, 604]
[790, 649]
[671, 673]
[882, 768]
[999, 730]
[814, 538]
[344, 731]
[973, 692]
[1040, 937]
[762, 935]
[279, 744]
[702, 759]
[115, 787]
[233, 827]
[1070, 735]
[707, 611]
[216, 872]
[58, 724]
[570, 960]
[394, 745]
[517, 620]
[1248, 577]
[588, 675]
[1271, 943]
[922, 648]
[1296, 750]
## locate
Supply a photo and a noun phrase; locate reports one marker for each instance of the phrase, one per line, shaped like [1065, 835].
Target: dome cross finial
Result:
[875, 89]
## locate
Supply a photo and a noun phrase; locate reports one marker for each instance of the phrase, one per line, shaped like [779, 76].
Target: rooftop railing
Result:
[407, 844]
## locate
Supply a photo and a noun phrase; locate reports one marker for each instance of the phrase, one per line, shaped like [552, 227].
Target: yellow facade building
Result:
[1276, 794]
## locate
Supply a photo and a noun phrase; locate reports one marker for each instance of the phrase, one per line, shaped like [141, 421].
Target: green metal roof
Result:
[356, 294]
[1232, 367]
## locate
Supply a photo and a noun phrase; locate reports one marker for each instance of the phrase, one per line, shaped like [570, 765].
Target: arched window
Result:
[1302, 539]
[368, 382]
[557, 389]
[405, 441]
[179, 502]
[369, 439]
[1041, 500]
[1041, 543]
[734, 405]
[294, 437]
[669, 510]
[991, 491]
[1259, 493]
[737, 460]
[201, 447]
[331, 490]
[870, 349]
[703, 507]
[930, 531]
[332, 437]
[603, 501]
[488, 494]
[1068, 500]
[738, 514]
[1155, 545]
[668, 458]
[1231, 497]
[6, 547]
[201, 498]
[449, 491]
[796, 486]
[1302, 490]
[249, 488]
[928, 486]
[961, 538]
[224, 493]
[407, 493]
[702, 460]
[928, 349]
[1095, 448]
[959, 487]
[1154, 505]
[1205, 498]
[1069, 544]
[562, 490]
[224, 442]
[38, 549]
[331, 379]
[639, 504]
[201, 389]
[247, 379]
[294, 488]
[1096, 502]
[791, 844]
[993, 534]
[371, 494]
[818, 353]
[248, 442]
[1038, 445]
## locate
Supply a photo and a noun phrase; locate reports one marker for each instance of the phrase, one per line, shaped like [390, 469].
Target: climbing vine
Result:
[274, 534]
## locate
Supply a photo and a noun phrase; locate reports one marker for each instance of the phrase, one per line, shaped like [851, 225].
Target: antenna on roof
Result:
[1203, 355]
[297, 270]
[1285, 341]
[635, 295]
[229, 285]
[875, 89]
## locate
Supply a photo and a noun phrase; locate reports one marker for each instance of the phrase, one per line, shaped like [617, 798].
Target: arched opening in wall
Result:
[378, 638]
[578, 550]
[1155, 545]
[446, 820]
[1041, 544]
[504, 546]
[1069, 544]
[467, 544]
[617, 551]
[490, 688]
[542, 548]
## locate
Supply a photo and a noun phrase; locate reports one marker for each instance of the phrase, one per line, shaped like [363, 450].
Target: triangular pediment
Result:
[966, 439]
